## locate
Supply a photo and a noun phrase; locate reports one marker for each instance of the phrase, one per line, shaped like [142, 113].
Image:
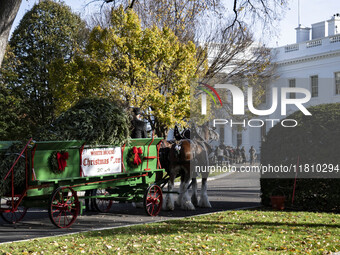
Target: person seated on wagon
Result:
[138, 126]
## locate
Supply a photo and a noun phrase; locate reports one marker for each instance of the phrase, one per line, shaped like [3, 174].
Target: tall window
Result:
[264, 131]
[337, 83]
[314, 85]
[264, 95]
[239, 138]
[292, 84]
[222, 134]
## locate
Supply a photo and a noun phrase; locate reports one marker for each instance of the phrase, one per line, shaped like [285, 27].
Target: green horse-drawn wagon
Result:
[59, 174]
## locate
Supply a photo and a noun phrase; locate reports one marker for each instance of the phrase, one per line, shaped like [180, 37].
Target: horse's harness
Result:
[194, 145]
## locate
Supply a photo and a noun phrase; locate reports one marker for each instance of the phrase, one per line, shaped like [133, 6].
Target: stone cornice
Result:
[308, 58]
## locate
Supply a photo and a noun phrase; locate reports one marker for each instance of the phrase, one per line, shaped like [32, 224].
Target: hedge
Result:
[314, 140]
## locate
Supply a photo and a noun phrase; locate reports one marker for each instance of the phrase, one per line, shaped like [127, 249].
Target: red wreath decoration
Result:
[62, 158]
[137, 152]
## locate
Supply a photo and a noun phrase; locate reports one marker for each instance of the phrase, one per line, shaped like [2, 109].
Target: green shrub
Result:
[95, 120]
[314, 140]
[7, 159]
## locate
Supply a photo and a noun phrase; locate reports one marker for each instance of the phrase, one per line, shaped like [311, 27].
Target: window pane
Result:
[292, 84]
[314, 85]
[337, 83]
[263, 131]
[222, 134]
[239, 139]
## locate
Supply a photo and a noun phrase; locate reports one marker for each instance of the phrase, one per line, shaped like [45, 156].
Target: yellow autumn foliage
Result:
[145, 67]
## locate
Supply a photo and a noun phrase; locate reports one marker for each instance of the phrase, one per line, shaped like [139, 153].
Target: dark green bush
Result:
[95, 120]
[7, 159]
[315, 140]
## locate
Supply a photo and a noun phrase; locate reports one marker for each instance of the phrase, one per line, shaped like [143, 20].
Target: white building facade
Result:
[313, 63]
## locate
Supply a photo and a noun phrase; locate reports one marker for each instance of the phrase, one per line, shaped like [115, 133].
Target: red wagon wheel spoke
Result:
[101, 204]
[12, 216]
[64, 207]
[153, 200]
[68, 199]
[153, 207]
[65, 218]
[59, 218]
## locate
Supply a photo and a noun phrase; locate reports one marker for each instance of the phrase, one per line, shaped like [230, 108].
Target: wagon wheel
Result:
[153, 199]
[12, 217]
[63, 207]
[101, 204]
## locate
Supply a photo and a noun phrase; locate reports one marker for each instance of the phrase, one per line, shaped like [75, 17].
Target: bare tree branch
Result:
[130, 6]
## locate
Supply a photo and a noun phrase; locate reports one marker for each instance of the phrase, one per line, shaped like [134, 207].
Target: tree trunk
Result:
[8, 12]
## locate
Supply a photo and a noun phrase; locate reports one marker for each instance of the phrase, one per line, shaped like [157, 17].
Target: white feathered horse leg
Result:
[204, 200]
[185, 200]
[194, 197]
[169, 202]
[180, 194]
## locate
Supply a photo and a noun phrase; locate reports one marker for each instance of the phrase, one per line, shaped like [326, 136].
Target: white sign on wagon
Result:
[101, 161]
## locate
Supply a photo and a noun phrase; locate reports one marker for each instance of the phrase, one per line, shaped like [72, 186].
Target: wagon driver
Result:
[138, 126]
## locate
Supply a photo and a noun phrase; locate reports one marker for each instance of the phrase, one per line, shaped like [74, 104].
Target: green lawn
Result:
[231, 232]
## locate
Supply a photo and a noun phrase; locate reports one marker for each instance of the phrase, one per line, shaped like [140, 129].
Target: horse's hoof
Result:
[194, 201]
[188, 206]
[168, 203]
[204, 203]
[177, 203]
[170, 206]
